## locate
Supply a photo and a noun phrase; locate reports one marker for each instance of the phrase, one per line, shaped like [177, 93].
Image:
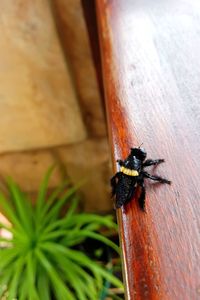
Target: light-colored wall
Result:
[50, 105]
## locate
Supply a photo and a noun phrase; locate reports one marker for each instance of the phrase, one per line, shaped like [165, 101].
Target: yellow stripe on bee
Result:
[134, 173]
[126, 171]
[129, 172]
[122, 169]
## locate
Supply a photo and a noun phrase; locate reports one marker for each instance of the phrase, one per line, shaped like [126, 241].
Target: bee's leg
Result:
[156, 178]
[151, 162]
[141, 199]
[113, 183]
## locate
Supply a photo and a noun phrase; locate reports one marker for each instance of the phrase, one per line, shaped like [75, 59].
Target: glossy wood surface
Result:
[151, 68]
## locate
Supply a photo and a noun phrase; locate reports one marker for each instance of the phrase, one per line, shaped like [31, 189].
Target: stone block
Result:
[75, 40]
[37, 100]
[89, 160]
[29, 168]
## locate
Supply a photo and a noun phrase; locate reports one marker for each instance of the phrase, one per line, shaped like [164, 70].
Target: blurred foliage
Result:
[40, 259]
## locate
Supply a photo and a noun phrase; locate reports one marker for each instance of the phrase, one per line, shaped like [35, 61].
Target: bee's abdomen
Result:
[124, 190]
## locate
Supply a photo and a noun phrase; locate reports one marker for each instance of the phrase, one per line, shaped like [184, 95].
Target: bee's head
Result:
[139, 153]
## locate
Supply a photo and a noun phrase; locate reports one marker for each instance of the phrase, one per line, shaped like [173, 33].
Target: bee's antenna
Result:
[140, 145]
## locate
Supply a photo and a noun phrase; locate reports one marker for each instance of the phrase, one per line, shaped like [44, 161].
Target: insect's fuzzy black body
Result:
[131, 175]
[124, 189]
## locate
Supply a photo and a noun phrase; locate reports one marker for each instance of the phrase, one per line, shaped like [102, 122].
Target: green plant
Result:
[40, 261]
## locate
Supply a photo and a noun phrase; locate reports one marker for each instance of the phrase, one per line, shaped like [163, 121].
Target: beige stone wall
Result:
[50, 105]
[37, 102]
[73, 33]
[87, 159]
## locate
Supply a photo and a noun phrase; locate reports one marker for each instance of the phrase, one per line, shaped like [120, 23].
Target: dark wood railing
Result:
[151, 69]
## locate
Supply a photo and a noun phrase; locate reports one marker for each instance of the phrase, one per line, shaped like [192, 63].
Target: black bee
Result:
[131, 175]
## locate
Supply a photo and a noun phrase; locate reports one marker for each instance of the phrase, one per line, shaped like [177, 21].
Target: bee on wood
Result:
[131, 175]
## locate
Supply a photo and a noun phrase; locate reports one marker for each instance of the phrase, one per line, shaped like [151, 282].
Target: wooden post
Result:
[151, 68]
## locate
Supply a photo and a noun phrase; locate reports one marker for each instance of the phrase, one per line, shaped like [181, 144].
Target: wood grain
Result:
[151, 68]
